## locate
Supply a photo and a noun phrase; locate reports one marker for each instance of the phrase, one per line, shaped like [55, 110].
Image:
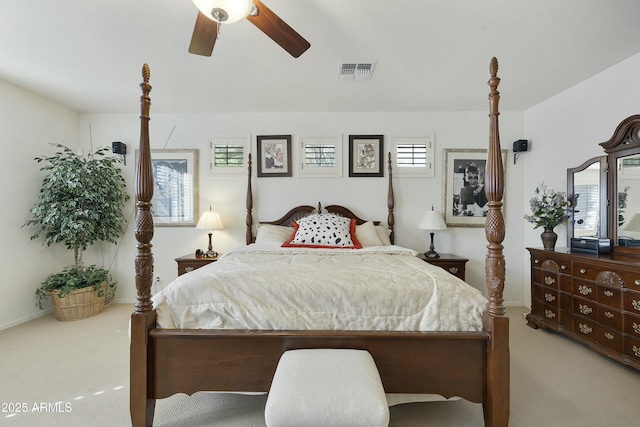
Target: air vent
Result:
[355, 71]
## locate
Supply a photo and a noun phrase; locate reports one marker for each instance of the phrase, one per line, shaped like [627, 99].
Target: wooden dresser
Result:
[594, 299]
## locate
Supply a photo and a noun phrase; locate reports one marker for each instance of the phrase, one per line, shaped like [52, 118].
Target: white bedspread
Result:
[382, 288]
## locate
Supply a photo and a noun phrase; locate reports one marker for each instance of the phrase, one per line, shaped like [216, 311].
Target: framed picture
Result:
[175, 187]
[465, 202]
[274, 155]
[366, 155]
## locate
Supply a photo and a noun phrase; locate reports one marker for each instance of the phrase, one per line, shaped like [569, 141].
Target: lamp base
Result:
[432, 254]
[210, 254]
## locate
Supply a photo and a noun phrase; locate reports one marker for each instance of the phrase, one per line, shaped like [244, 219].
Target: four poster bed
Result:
[172, 351]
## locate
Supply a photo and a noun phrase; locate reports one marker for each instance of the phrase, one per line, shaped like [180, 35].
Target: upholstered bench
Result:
[326, 387]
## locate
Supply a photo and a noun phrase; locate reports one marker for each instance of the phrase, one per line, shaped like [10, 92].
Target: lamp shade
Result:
[432, 220]
[224, 11]
[210, 221]
[634, 224]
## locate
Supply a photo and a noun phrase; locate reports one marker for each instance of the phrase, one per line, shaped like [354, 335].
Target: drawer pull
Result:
[608, 314]
[636, 328]
[635, 304]
[637, 282]
[549, 280]
[585, 290]
[585, 309]
[585, 329]
[608, 336]
[582, 270]
[549, 314]
[563, 267]
[636, 350]
[188, 269]
[549, 297]
[537, 261]
[453, 270]
[608, 294]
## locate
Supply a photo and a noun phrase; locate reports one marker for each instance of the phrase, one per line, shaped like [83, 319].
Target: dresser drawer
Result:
[611, 297]
[585, 271]
[585, 308]
[585, 289]
[632, 302]
[550, 296]
[632, 326]
[610, 339]
[632, 348]
[610, 317]
[585, 328]
[631, 280]
[550, 313]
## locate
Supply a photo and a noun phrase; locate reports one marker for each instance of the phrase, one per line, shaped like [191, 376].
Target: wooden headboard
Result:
[304, 210]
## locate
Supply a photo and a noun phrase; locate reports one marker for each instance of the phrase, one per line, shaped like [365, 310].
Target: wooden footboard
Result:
[472, 365]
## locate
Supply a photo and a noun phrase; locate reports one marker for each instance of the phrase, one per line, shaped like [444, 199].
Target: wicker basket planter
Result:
[78, 304]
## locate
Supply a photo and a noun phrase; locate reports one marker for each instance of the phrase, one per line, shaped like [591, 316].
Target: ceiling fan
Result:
[212, 13]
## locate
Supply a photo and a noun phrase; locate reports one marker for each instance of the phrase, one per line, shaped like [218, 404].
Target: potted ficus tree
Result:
[80, 203]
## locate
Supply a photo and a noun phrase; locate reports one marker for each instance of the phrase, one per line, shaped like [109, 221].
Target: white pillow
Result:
[383, 234]
[367, 234]
[278, 234]
[325, 231]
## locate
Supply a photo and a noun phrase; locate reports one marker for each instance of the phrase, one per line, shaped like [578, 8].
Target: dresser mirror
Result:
[628, 213]
[587, 195]
[623, 150]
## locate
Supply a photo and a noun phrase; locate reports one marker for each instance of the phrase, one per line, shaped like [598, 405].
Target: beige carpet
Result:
[76, 374]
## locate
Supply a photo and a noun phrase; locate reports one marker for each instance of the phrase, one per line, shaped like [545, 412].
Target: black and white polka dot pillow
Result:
[324, 231]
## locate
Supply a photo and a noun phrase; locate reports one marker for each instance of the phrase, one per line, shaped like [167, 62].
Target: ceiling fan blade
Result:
[204, 36]
[278, 30]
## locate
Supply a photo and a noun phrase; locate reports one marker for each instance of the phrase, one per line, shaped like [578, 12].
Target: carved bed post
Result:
[496, 409]
[144, 194]
[390, 201]
[249, 220]
[143, 318]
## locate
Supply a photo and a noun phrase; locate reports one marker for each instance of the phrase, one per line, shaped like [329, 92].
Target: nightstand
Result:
[190, 262]
[454, 264]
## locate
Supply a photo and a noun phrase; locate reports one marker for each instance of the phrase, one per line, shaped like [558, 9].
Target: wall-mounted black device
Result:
[519, 146]
[120, 148]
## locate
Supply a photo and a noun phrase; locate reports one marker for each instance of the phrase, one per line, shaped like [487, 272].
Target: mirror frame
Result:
[624, 142]
[603, 225]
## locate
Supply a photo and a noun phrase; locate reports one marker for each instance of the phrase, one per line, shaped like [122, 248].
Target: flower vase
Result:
[549, 238]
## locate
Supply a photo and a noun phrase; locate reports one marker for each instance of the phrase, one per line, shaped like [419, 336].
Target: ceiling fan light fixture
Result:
[224, 11]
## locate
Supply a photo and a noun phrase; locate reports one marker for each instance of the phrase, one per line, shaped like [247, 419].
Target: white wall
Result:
[273, 195]
[566, 130]
[563, 131]
[27, 124]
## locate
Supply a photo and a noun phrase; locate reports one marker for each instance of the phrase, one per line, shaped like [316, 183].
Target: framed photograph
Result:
[366, 157]
[175, 187]
[465, 202]
[274, 155]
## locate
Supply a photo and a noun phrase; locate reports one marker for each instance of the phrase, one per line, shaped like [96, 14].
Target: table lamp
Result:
[210, 221]
[432, 220]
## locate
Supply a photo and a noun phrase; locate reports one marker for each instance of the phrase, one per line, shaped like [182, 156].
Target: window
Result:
[413, 156]
[228, 155]
[321, 156]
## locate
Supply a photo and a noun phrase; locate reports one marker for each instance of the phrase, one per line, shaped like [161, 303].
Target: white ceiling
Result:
[431, 55]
